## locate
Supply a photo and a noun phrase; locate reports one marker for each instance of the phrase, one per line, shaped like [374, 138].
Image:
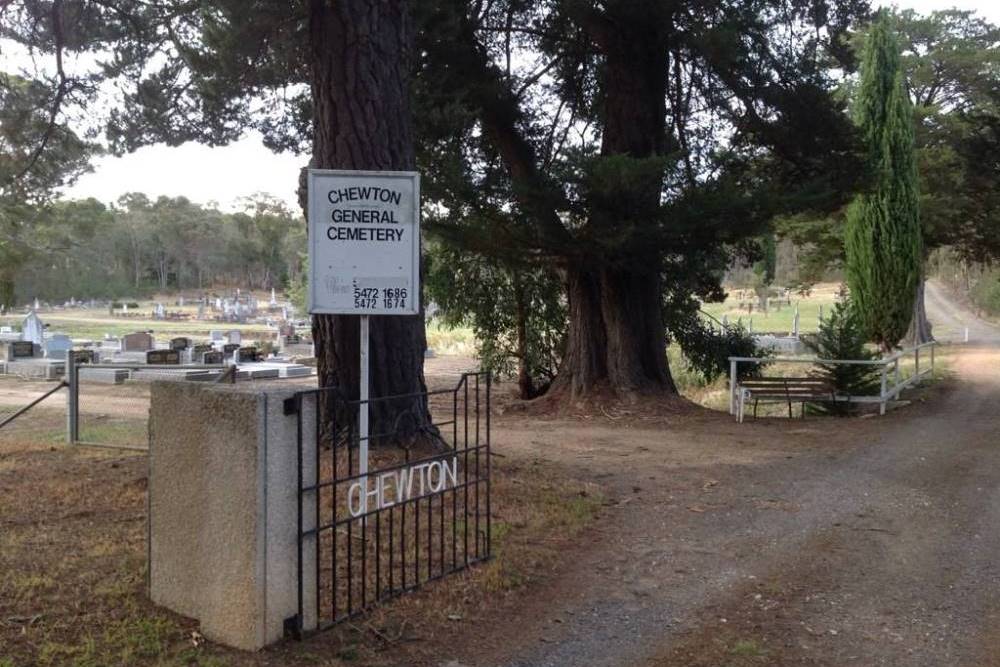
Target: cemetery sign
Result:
[364, 242]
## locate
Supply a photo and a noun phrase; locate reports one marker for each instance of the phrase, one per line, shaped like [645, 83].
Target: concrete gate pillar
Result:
[223, 509]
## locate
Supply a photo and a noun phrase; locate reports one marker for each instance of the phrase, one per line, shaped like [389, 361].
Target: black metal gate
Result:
[419, 513]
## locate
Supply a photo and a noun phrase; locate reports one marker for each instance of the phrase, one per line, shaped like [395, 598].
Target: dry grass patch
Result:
[73, 570]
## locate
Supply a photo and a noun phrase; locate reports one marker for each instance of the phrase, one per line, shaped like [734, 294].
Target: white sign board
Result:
[364, 242]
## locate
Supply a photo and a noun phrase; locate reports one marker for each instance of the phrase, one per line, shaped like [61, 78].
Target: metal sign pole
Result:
[363, 413]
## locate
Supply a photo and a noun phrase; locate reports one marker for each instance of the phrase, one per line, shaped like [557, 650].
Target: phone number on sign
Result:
[370, 298]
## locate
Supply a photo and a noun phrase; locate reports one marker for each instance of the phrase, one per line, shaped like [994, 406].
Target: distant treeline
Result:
[84, 249]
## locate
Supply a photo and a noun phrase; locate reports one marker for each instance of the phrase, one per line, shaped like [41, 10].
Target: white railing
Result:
[891, 385]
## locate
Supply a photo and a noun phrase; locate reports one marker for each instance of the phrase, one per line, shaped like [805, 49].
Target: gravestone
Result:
[229, 348]
[140, 341]
[57, 346]
[247, 354]
[234, 337]
[160, 312]
[180, 343]
[217, 335]
[213, 357]
[33, 329]
[23, 349]
[163, 357]
[84, 357]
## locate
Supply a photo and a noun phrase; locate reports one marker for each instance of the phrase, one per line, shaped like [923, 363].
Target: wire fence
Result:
[32, 412]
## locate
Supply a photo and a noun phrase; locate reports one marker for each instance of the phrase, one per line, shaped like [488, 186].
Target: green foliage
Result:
[707, 351]
[985, 294]
[842, 336]
[516, 312]
[882, 238]
[171, 243]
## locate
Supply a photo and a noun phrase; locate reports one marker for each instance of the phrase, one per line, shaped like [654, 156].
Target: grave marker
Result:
[140, 341]
[163, 357]
[213, 357]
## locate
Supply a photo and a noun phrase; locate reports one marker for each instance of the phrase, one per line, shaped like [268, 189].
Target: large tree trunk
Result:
[360, 52]
[616, 338]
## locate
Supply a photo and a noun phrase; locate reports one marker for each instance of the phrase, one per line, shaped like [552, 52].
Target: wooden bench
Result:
[784, 390]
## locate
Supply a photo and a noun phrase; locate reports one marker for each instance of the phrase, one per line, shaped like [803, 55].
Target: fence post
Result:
[916, 361]
[896, 369]
[72, 400]
[933, 345]
[732, 386]
[882, 395]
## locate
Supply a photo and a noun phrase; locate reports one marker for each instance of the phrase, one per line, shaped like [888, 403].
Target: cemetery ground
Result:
[625, 536]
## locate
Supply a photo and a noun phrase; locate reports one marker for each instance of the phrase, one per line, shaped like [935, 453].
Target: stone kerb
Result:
[223, 503]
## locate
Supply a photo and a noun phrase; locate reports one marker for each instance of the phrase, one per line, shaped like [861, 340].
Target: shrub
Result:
[841, 336]
[708, 351]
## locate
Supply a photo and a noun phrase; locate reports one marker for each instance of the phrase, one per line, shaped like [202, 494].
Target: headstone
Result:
[247, 354]
[23, 349]
[198, 351]
[37, 305]
[163, 357]
[234, 337]
[795, 322]
[180, 301]
[274, 300]
[201, 311]
[160, 312]
[229, 348]
[84, 356]
[32, 329]
[139, 341]
[217, 335]
[180, 343]
[213, 357]
[6, 330]
[57, 346]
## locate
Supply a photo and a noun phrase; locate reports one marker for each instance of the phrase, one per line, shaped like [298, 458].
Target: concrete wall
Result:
[223, 504]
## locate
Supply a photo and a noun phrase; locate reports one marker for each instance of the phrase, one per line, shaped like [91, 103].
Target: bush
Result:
[708, 351]
[841, 336]
[986, 293]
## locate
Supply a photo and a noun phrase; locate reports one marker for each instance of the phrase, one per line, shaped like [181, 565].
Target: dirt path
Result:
[949, 318]
[865, 541]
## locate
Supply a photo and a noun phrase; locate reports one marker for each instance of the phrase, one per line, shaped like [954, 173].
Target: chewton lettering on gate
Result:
[385, 489]
[364, 242]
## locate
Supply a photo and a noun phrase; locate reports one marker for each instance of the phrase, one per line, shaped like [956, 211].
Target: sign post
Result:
[364, 256]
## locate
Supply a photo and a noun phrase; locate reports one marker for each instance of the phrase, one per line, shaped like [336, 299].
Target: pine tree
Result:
[841, 336]
[883, 240]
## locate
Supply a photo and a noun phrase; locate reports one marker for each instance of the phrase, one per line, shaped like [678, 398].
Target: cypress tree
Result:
[882, 240]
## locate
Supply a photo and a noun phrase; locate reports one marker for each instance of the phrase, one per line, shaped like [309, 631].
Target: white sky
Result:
[226, 174]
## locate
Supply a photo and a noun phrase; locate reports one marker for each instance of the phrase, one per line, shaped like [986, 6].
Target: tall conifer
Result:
[883, 242]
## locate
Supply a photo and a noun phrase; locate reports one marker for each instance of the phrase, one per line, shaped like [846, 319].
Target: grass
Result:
[73, 569]
[778, 319]
[445, 340]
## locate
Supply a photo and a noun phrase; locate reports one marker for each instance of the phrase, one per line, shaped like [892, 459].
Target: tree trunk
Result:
[920, 327]
[360, 67]
[525, 386]
[616, 337]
